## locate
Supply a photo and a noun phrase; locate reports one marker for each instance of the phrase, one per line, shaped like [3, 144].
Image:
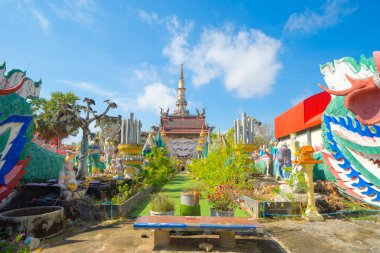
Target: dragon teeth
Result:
[355, 137]
[367, 163]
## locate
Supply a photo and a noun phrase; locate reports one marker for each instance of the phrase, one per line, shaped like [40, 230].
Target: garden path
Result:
[173, 189]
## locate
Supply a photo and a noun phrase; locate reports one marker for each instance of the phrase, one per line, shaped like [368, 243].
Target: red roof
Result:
[304, 115]
[183, 124]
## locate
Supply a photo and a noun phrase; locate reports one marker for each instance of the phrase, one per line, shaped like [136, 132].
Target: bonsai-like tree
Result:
[61, 116]
[84, 123]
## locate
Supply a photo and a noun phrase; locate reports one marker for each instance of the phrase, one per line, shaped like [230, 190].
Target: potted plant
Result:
[190, 201]
[224, 200]
[191, 196]
[161, 205]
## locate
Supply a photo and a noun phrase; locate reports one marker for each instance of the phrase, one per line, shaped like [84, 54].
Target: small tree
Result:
[61, 116]
[84, 123]
[50, 117]
[263, 134]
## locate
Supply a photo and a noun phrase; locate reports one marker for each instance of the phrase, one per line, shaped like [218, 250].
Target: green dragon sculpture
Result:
[350, 126]
[20, 158]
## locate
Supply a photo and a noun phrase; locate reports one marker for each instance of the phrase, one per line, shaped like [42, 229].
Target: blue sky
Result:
[261, 57]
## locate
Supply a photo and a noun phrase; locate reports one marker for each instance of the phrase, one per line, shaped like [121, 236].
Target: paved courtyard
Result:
[291, 235]
[122, 238]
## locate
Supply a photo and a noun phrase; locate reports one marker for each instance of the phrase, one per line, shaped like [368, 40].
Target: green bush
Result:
[125, 191]
[161, 203]
[159, 168]
[222, 166]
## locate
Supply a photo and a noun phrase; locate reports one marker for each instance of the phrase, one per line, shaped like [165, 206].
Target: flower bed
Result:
[224, 198]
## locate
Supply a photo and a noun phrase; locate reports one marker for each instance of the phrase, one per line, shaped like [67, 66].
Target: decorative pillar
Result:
[166, 139]
[201, 141]
[235, 132]
[308, 134]
[244, 128]
[307, 161]
[243, 138]
[130, 148]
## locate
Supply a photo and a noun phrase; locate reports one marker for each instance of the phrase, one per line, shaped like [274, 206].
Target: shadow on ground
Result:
[248, 244]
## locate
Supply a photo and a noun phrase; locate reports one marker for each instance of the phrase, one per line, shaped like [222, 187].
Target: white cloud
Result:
[332, 13]
[79, 11]
[156, 95]
[150, 18]
[301, 97]
[147, 73]
[43, 21]
[246, 60]
[90, 87]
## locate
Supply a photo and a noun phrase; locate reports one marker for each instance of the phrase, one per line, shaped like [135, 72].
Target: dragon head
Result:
[363, 97]
[351, 134]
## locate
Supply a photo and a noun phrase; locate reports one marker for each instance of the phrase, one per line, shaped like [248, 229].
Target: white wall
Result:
[316, 138]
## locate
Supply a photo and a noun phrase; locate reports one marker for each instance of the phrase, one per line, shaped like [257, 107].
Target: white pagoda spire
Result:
[181, 98]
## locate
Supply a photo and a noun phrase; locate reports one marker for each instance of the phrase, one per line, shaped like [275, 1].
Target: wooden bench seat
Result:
[225, 226]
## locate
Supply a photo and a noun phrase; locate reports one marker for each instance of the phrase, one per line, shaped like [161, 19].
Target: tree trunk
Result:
[83, 154]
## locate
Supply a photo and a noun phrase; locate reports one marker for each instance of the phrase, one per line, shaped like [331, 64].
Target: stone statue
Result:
[284, 159]
[274, 152]
[95, 152]
[266, 156]
[204, 111]
[148, 144]
[351, 125]
[115, 167]
[66, 180]
[294, 147]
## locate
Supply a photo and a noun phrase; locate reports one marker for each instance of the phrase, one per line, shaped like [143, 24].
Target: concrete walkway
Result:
[294, 236]
[117, 238]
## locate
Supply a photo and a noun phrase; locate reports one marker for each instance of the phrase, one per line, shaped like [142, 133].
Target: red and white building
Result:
[305, 120]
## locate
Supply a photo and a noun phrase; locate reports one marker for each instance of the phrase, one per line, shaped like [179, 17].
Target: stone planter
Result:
[229, 213]
[170, 213]
[189, 199]
[107, 210]
[41, 221]
[261, 208]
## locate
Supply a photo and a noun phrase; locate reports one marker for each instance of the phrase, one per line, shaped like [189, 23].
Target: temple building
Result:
[304, 120]
[181, 130]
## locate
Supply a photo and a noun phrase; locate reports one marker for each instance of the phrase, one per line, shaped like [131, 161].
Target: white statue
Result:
[67, 180]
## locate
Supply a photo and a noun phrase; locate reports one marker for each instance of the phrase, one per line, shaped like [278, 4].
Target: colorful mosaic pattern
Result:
[351, 141]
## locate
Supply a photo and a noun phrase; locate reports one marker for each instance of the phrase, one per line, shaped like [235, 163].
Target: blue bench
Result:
[225, 226]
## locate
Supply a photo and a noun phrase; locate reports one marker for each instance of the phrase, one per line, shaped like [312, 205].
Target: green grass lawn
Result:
[173, 190]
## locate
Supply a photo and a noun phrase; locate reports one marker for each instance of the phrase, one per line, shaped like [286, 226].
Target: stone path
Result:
[328, 236]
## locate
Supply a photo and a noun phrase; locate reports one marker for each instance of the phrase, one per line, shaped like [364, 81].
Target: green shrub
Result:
[161, 203]
[124, 192]
[222, 166]
[159, 168]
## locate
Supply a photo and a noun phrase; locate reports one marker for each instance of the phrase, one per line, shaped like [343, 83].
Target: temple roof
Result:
[185, 125]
